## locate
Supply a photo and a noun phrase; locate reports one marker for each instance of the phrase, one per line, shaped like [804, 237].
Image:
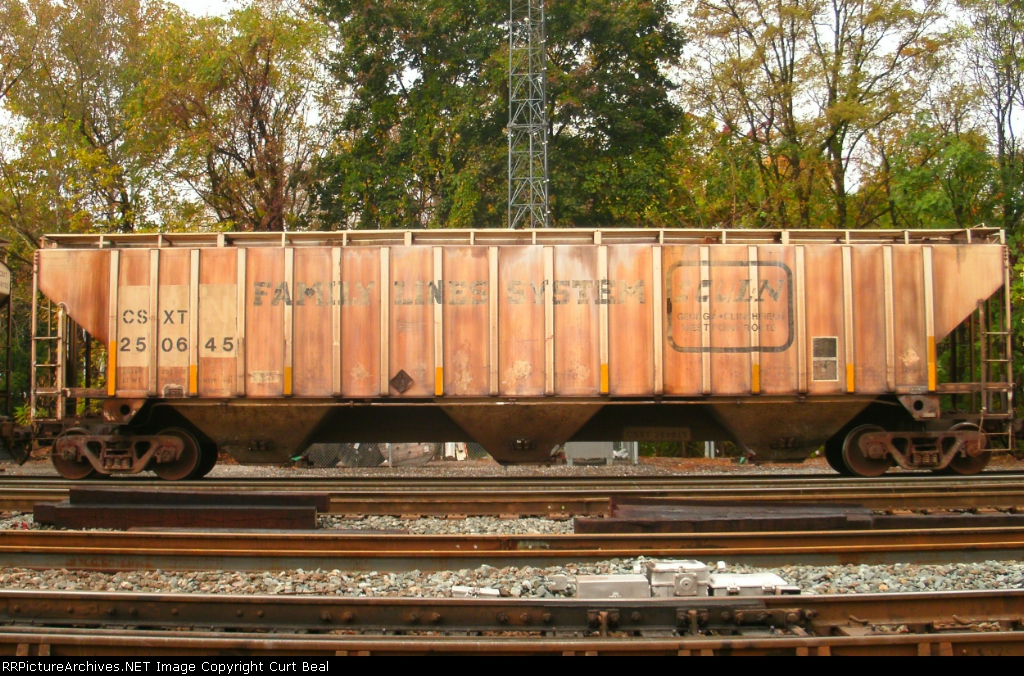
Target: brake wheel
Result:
[858, 460]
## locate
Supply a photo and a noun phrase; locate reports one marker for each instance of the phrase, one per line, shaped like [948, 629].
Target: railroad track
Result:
[95, 643]
[93, 624]
[587, 496]
[270, 551]
[86, 623]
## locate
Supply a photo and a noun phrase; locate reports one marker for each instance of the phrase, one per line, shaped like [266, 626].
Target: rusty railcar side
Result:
[779, 340]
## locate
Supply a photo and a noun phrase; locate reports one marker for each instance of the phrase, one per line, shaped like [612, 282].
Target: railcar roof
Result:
[499, 237]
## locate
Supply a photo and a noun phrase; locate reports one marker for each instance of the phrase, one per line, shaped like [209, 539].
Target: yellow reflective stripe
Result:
[933, 378]
[755, 378]
[287, 380]
[439, 381]
[193, 379]
[604, 378]
[112, 368]
[850, 379]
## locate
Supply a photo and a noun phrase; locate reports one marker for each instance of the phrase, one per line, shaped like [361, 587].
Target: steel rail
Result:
[273, 551]
[564, 503]
[94, 643]
[474, 497]
[344, 478]
[937, 621]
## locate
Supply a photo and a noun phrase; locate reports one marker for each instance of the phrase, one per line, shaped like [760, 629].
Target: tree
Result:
[718, 178]
[747, 74]
[610, 112]
[17, 41]
[935, 169]
[996, 63]
[83, 92]
[239, 95]
[801, 83]
[873, 61]
[941, 179]
[423, 140]
[995, 57]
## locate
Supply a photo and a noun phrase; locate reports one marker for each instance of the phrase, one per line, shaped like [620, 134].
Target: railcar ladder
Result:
[996, 372]
[49, 325]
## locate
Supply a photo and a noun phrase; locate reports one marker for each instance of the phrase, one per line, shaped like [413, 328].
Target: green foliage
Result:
[937, 177]
[419, 143]
[237, 96]
[951, 187]
[611, 113]
[800, 85]
[22, 415]
[423, 139]
[82, 113]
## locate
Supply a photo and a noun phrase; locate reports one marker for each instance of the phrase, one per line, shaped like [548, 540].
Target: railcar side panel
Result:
[218, 311]
[466, 317]
[685, 325]
[415, 289]
[911, 346]
[80, 280]
[964, 275]
[631, 320]
[869, 319]
[267, 297]
[730, 325]
[775, 306]
[360, 322]
[135, 336]
[521, 344]
[577, 295]
[826, 344]
[313, 312]
[173, 325]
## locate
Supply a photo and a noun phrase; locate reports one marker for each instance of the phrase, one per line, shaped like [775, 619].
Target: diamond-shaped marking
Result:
[401, 382]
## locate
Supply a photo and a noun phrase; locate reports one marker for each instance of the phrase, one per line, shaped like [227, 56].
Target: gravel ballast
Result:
[472, 525]
[509, 581]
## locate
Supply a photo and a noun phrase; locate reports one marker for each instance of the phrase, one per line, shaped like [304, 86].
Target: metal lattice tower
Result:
[527, 117]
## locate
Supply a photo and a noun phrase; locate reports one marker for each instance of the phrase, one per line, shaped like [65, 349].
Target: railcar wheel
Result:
[187, 463]
[834, 456]
[71, 469]
[209, 460]
[966, 464]
[859, 462]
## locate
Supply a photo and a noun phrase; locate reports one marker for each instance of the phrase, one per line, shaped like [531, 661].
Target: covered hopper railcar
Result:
[887, 347]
